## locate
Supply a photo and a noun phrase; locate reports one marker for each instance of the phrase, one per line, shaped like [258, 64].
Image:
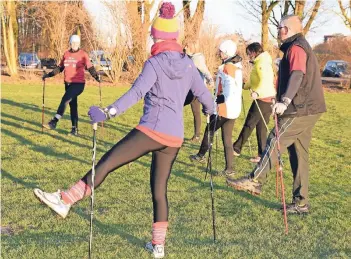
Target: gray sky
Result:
[230, 17]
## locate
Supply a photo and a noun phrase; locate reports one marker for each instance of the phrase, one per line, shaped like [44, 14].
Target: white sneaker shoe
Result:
[53, 200]
[158, 251]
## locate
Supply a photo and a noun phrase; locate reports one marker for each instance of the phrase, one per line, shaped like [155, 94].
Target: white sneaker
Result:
[53, 200]
[158, 251]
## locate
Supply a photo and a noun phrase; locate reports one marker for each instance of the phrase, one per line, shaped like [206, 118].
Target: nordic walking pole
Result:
[102, 123]
[43, 105]
[277, 165]
[280, 169]
[259, 109]
[242, 101]
[209, 168]
[92, 190]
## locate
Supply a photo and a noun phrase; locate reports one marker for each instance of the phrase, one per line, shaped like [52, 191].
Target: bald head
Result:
[289, 26]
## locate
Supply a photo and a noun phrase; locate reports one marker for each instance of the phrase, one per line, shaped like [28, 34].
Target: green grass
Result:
[247, 226]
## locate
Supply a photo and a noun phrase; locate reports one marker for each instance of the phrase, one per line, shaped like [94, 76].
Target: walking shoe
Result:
[226, 173]
[255, 159]
[158, 251]
[74, 132]
[245, 184]
[198, 158]
[294, 208]
[53, 200]
[235, 153]
[51, 125]
[195, 139]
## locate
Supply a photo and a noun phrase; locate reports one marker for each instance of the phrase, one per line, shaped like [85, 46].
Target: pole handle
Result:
[95, 126]
[208, 118]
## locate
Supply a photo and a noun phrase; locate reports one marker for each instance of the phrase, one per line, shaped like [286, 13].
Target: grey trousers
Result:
[295, 136]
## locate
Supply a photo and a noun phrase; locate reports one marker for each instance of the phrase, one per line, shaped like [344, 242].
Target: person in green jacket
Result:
[261, 86]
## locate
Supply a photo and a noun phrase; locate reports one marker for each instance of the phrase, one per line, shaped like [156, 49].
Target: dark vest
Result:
[309, 99]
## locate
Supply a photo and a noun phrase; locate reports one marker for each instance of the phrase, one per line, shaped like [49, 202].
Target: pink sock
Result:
[159, 230]
[76, 193]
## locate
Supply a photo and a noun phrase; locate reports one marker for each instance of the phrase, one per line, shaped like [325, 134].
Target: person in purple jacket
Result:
[164, 82]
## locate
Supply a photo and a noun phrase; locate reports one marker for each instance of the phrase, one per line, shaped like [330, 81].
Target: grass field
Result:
[247, 226]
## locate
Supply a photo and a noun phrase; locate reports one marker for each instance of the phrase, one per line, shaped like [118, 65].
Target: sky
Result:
[231, 17]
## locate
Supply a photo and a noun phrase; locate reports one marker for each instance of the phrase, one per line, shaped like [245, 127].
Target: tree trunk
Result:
[192, 25]
[299, 8]
[9, 40]
[265, 32]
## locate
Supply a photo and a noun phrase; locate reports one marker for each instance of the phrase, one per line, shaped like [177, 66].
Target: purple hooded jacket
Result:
[165, 81]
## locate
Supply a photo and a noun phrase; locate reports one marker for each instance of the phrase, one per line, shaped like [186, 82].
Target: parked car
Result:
[337, 68]
[100, 61]
[29, 60]
[48, 63]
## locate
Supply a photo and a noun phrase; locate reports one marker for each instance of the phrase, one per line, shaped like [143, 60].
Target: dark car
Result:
[48, 63]
[29, 60]
[337, 68]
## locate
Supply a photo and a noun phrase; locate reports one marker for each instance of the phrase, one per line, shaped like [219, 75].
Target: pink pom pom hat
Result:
[165, 26]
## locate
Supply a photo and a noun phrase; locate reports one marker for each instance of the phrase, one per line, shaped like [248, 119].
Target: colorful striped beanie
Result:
[165, 26]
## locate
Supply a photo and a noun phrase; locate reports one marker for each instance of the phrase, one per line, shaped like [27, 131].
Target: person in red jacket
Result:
[73, 63]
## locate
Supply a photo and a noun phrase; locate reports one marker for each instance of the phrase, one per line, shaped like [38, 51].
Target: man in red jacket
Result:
[73, 63]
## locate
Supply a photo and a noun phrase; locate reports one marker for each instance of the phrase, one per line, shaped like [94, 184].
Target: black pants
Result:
[73, 90]
[226, 126]
[254, 119]
[133, 146]
[196, 109]
[295, 136]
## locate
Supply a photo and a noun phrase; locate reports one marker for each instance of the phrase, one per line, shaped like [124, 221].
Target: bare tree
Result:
[345, 13]
[192, 24]
[48, 25]
[306, 10]
[9, 35]
[261, 11]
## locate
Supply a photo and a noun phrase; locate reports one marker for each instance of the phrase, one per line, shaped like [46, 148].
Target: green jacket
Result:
[262, 77]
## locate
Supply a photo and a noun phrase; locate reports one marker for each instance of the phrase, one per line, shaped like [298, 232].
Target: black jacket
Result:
[309, 99]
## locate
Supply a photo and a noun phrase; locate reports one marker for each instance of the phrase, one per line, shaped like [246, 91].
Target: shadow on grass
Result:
[29, 185]
[122, 128]
[57, 137]
[47, 151]
[112, 229]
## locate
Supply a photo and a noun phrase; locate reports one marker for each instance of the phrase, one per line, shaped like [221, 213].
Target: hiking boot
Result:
[198, 158]
[255, 159]
[294, 208]
[195, 139]
[51, 125]
[74, 132]
[245, 184]
[53, 200]
[158, 251]
[226, 173]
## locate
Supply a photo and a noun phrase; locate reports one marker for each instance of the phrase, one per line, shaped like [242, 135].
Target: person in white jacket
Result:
[228, 101]
[191, 49]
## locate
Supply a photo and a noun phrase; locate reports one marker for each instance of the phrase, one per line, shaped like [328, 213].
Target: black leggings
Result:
[254, 119]
[73, 90]
[226, 126]
[196, 109]
[133, 146]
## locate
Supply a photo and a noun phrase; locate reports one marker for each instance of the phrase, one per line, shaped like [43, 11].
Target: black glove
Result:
[45, 76]
[220, 99]
[98, 78]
